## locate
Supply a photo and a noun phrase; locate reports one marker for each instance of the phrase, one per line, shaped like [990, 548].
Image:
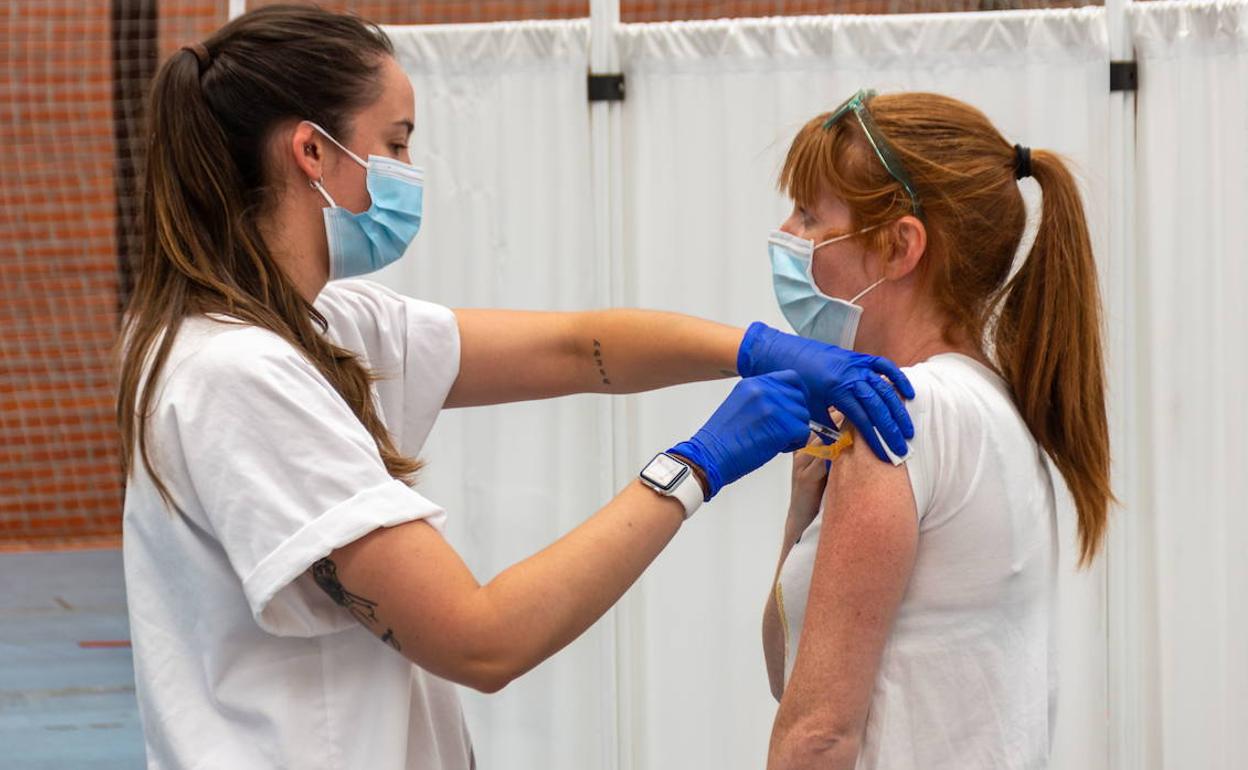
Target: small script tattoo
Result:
[602, 367]
[325, 573]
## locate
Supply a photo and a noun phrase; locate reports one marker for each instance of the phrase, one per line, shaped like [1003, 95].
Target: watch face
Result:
[664, 472]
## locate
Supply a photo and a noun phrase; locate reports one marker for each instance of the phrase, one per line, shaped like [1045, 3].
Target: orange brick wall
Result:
[58, 272]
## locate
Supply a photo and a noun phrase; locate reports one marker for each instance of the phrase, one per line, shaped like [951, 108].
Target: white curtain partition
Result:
[503, 132]
[1189, 642]
[674, 676]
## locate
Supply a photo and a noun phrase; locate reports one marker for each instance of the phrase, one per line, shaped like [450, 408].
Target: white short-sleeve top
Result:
[241, 661]
[967, 680]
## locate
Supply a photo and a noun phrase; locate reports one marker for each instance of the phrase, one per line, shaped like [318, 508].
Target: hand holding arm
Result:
[835, 378]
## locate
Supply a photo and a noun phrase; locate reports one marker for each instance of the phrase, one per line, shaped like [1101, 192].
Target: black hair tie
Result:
[1022, 161]
[201, 55]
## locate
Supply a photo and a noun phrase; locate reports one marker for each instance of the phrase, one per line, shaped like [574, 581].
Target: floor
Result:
[66, 673]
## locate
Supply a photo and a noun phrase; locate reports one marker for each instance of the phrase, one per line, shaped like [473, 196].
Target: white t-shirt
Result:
[241, 660]
[967, 680]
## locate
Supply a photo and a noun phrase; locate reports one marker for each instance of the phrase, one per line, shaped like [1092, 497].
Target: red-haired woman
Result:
[911, 621]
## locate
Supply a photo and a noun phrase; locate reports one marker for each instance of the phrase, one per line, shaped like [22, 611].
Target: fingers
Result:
[898, 410]
[881, 417]
[892, 372]
[795, 420]
[866, 428]
[791, 383]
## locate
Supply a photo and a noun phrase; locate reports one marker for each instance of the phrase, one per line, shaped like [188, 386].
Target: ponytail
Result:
[1048, 345]
[212, 109]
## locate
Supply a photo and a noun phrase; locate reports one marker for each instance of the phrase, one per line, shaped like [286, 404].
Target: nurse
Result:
[292, 600]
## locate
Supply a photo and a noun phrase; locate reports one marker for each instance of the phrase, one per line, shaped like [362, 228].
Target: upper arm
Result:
[513, 355]
[410, 588]
[865, 558]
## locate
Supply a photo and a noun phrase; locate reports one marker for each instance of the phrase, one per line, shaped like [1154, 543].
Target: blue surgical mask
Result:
[368, 241]
[808, 310]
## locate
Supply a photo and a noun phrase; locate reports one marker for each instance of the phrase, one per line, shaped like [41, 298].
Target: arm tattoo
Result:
[602, 368]
[389, 639]
[325, 573]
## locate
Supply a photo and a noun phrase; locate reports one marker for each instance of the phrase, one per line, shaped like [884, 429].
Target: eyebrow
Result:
[409, 125]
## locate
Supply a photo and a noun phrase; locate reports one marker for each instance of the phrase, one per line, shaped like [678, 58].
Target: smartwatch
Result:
[671, 476]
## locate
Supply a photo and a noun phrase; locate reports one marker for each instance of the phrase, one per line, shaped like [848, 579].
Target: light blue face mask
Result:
[808, 310]
[368, 241]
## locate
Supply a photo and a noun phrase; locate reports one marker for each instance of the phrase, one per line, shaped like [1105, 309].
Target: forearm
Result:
[536, 607]
[774, 642]
[807, 750]
[628, 351]
[512, 355]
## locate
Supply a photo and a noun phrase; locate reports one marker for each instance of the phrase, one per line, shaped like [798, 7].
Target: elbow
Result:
[484, 674]
[806, 747]
[488, 681]
[486, 666]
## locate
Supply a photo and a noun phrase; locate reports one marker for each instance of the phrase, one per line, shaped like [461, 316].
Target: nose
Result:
[792, 225]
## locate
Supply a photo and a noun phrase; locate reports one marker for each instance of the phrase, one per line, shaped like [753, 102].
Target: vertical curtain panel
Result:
[502, 129]
[1192, 534]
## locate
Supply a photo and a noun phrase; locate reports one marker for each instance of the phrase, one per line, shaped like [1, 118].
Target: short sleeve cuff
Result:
[285, 606]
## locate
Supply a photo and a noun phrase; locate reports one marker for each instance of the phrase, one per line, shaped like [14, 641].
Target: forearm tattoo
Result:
[602, 367]
[325, 573]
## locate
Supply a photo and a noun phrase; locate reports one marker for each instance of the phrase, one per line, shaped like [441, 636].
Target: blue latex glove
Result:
[762, 417]
[835, 377]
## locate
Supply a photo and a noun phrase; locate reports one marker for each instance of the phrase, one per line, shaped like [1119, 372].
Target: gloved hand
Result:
[761, 417]
[838, 378]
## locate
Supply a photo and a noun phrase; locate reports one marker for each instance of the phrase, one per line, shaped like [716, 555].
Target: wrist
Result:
[749, 358]
[698, 474]
[692, 453]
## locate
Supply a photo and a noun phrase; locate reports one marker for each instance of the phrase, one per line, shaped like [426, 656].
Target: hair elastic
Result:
[201, 55]
[1022, 161]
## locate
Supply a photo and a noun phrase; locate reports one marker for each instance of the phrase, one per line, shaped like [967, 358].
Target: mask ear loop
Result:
[315, 184]
[338, 144]
[839, 238]
[810, 263]
[863, 293]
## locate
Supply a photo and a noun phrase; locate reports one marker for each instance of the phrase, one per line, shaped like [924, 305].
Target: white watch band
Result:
[689, 493]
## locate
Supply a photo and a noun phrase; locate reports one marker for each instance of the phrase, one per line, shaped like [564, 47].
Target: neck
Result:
[295, 236]
[910, 332]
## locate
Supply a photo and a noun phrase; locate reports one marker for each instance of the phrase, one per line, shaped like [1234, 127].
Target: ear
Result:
[308, 149]
[909, 246]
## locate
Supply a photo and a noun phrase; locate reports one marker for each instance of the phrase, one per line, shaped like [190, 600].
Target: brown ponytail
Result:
[1048, 345]
[211, 112]
[1047, 333]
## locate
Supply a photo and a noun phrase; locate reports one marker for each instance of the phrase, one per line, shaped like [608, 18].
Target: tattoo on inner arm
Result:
[602, 368]
[325, 573]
